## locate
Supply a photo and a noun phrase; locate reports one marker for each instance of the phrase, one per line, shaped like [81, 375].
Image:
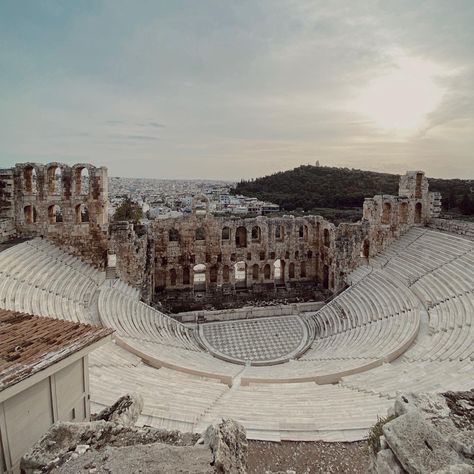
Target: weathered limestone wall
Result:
[134, 250]
[465, 229]
[201, 257]
[427, 432]
[7, 229]
[67, 205]
[248, 312]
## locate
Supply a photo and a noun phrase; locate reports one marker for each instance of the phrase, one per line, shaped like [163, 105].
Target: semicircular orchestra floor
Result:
[256, 341]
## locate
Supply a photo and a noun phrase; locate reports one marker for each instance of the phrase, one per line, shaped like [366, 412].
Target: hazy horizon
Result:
[224, 90]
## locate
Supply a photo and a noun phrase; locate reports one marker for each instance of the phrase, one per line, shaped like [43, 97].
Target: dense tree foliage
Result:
[310, 187]
[128, 211]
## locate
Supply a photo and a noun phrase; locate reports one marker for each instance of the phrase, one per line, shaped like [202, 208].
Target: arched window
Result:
[326, 239]
[82, 214]
[279, 271]
[279, 232]
[240, 273]
[172, 277]
[54, 176]
[30, 177]
[199, 276]
[55, 214]
[200, 233]
[386, 213]
[267, 272]
[418, 213]
[303, 270]
[303, 232]
[173, 235]
[225, 233]
[225, 274]
[255, 272]
[291, 270]
[241, 237]
[310, 254]
[256, 234]
[403, 213]
[297, 255]
[30, 214]
[262, 255]
[81, 176]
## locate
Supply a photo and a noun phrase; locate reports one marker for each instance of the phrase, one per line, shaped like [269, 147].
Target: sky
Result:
[231, 89]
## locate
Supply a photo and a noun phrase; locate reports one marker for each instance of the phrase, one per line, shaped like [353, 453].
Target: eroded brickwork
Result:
[202, 257]
[65, 204]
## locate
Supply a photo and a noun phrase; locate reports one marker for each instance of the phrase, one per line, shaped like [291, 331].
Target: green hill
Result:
[312, 188]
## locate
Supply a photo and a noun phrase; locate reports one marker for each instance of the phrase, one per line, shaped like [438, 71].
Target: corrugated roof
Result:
[29, 344]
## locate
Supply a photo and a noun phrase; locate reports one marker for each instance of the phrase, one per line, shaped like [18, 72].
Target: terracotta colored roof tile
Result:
[29, 344]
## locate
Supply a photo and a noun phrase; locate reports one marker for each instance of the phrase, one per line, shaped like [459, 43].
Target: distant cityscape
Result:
[165, 198]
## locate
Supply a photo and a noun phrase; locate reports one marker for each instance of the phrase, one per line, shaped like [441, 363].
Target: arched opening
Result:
[366, 248]
[326, 277]
[55, 214]
[186, 276]
[225, 233]
[418, 209]
[172, 277]
[297, 255]
[199, 276]
[291, 270]
[267, 272]
[255, 272]
[279, 232]
[303, 270]
[403, 213]
[82, 214]
[279, 271]
[173, 235]
[30, 214]
[226, 274]
[241, 237]
[213, 274]
[200, 233]
[326, 239]
[82, 180]
[30, 178]
[386, 213]
[240, 272]
[54, 177]
[256, 234]
[303, 232]
[419, 180]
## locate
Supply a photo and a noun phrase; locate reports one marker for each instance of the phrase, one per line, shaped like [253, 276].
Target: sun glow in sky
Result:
[231, 90]
[401, 99]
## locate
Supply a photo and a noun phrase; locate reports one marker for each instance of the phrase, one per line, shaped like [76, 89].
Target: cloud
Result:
[249, 87]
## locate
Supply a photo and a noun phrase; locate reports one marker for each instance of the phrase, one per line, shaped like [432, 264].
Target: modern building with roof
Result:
[44, 378]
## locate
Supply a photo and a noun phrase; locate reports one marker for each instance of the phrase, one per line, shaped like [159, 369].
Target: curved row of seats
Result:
[372, 322]
[39, 278]
[439, 268]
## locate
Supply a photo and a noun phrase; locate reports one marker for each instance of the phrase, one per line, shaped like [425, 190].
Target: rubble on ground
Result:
[111, 444]
[431, 433]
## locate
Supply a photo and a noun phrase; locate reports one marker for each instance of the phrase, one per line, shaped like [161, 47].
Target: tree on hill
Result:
[128, 211]
[466, 205]
[315, 187]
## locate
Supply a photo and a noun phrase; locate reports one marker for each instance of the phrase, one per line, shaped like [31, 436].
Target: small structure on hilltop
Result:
[44, 377]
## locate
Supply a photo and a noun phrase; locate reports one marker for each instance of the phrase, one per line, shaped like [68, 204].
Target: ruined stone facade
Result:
[65, 204]
[201, 258]
[204, 258]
